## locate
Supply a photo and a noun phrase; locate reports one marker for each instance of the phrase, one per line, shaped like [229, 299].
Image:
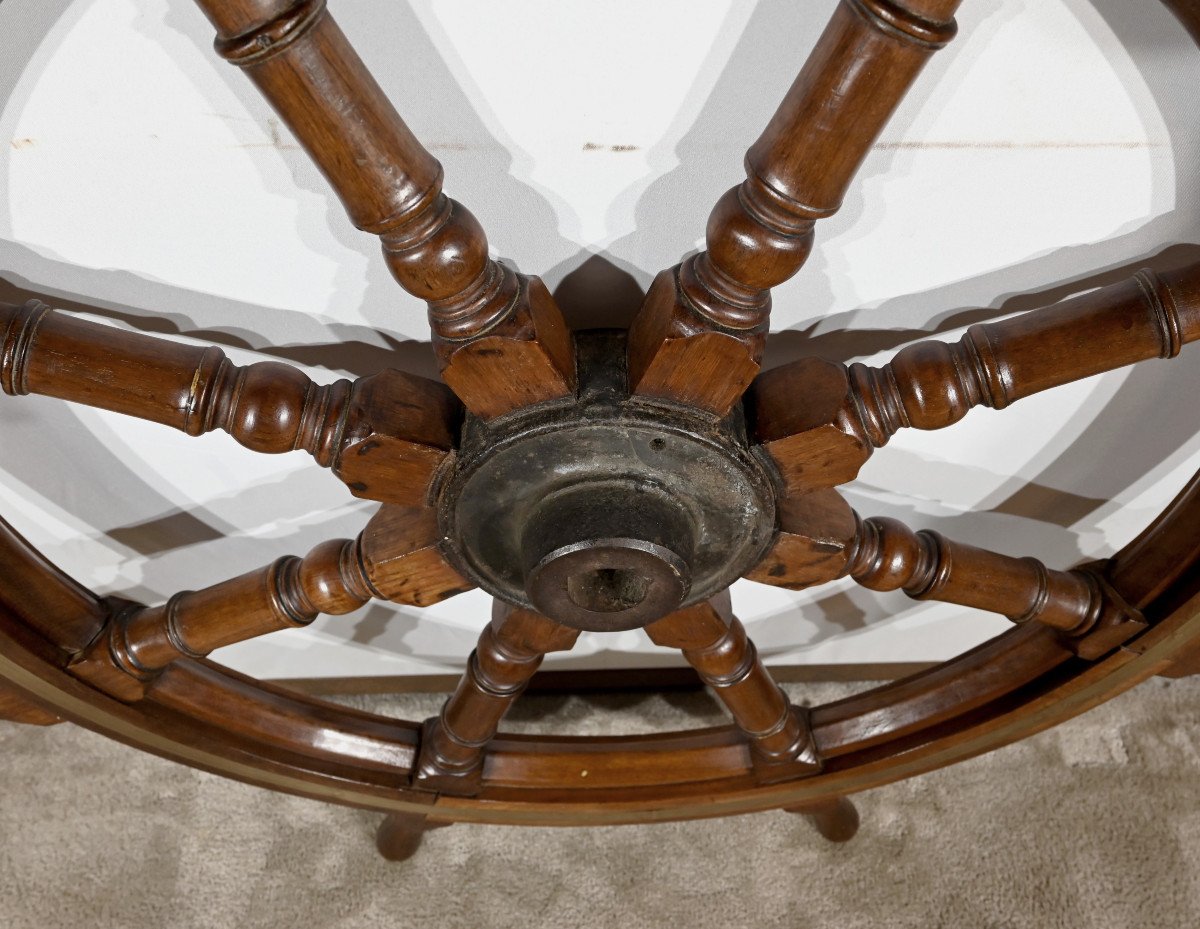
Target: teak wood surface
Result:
[138, 672]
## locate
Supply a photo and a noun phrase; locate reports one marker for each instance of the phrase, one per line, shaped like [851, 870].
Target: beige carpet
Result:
[1094, 825]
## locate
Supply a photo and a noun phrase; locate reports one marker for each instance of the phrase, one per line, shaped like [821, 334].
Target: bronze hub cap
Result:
[606, 512]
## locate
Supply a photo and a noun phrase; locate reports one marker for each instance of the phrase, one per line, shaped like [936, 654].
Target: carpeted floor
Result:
[1094, 825]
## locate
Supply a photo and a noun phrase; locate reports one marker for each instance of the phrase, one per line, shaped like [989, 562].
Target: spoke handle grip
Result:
[139, 641]
[267, 406]
[761, 232]
[1081, 604]
[499, 336]
[932, 384]
[699, 336]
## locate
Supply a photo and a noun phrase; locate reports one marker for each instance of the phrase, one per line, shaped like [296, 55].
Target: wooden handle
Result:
[510, 651]
[714, 642]
[396, 558]
[928, 566]
[384, 435]
[138, 642]
[391, 186]
[699, 337]
[267, 407]
[819, 421]
[933, 384]
[760, 233]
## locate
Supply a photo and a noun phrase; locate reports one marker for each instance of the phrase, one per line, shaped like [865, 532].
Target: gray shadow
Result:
[356, 351]
[597, 293]
[1106, 460]
[600, 289]
[479, 170]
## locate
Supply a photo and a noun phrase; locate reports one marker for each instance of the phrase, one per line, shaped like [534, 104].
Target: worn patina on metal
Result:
[606, 512]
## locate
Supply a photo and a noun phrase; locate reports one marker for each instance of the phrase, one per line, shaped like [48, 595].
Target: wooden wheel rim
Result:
[1054, 687]
[892, 732]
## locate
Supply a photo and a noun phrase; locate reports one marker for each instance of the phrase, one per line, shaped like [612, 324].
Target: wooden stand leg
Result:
[836, 820]
[1185, 663]
[399, 835]
[18, 708]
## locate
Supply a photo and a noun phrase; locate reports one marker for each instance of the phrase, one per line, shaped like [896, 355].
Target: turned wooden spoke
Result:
[820, 421]
[499, 335]
[1080, 603]
[820, 538]
[714, 642]
[511, 648]
[138, 641]
[933, 384]
[383, 435]
[395, 559]
[699, 337]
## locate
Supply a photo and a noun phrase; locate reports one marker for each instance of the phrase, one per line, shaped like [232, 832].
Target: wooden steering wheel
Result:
[600, 480]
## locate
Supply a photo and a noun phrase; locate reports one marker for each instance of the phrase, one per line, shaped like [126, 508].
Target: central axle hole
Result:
[607, 590]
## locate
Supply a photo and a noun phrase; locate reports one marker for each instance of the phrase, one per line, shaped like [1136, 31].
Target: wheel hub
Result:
[605, 512]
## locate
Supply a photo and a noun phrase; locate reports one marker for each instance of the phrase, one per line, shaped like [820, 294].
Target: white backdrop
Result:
[1051, 148]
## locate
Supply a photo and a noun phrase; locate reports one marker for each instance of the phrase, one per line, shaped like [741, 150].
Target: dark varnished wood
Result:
[714, 642]
[17, 707]
[933, 384]
[700, 335]
[383, 435]
[399, 834]
[500, 338]
[927, 566]
[63, 614]
[336, 577]
[511, 648]
[138, 642]
[836, 819]
[824, 540]
[848, 412]
[278, 722]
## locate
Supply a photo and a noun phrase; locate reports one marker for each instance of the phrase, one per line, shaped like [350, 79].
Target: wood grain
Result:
[930, 385]
[926, 565]
[402, 559]
[305, 67]
[138, 641]
[510, 650]
[846, 413]
[714, 642]
[384, 435]
[699, 337]
[815, 540]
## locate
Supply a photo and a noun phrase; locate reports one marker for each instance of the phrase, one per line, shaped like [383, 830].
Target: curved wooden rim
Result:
[1009, 688]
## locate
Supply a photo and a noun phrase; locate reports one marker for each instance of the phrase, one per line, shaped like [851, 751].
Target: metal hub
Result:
[605, 512]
